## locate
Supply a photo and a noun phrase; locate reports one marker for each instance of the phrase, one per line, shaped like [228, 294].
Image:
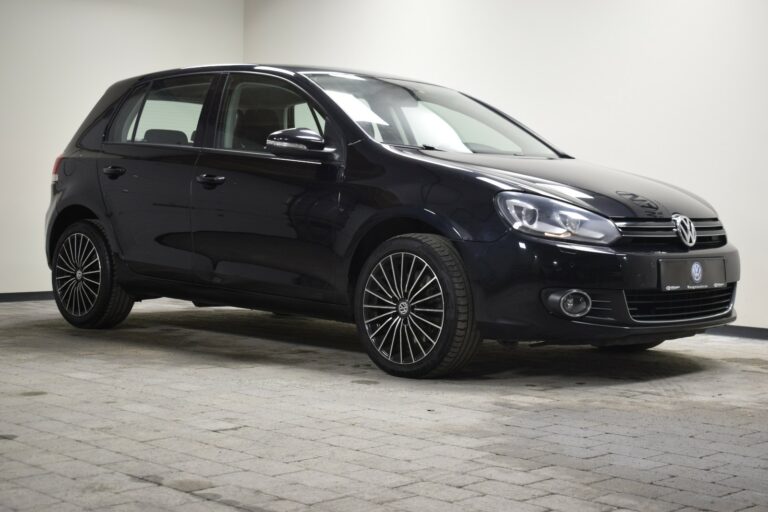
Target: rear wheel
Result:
[413, 307]
[83, 279]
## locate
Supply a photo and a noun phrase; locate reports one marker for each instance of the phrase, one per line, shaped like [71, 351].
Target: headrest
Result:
[260, 117]
[165, 136]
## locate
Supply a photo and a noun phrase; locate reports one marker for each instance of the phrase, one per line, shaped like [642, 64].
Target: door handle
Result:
[210, 180]
[113, 171]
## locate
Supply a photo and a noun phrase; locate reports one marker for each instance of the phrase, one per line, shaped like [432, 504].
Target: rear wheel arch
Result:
[65, 218]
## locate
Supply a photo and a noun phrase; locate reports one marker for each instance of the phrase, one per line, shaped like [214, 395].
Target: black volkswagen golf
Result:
[428, 217]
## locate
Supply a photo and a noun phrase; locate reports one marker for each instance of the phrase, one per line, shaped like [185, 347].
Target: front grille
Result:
[661, 234]
[659, 306]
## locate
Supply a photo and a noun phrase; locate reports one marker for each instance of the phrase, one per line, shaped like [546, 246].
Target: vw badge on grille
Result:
[685, 229]
[697, 272]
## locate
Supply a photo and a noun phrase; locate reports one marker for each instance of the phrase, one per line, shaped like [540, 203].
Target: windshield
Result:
[401, 112]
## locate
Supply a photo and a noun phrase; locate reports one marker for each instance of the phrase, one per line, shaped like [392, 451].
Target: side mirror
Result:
[299, 142]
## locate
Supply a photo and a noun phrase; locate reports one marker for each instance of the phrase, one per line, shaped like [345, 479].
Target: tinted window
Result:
[169, 113]
[125, 121]
[255, 106]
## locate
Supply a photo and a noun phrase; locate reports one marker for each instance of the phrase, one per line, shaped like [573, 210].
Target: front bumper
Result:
[511, 276]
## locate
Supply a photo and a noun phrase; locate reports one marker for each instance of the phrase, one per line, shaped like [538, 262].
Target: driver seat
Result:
[253, 128]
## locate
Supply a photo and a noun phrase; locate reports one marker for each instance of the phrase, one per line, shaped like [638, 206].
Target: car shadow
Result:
[582, 365]
[237, 336]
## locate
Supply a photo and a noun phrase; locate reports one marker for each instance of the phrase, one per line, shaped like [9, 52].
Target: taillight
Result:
[57, 167]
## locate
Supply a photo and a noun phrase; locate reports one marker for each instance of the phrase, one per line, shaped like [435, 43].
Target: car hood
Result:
[607, 191]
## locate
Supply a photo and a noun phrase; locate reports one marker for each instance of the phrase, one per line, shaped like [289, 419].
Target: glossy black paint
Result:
[288, 231]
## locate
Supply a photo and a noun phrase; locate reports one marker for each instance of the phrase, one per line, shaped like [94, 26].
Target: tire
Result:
[83, 277]
[628, 349]
[413, 307]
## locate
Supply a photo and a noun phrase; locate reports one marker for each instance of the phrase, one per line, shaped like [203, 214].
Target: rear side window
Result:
[125, 122]
[167, 112]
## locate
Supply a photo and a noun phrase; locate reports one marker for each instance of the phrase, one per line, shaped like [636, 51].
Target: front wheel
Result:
[84, 285]
[413, 307]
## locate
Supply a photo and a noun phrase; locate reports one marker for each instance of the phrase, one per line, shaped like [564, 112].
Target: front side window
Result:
[401, 112]
[166, 112]
[257, 105]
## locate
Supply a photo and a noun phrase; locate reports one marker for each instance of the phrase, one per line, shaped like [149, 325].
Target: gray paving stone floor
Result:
[220, 409]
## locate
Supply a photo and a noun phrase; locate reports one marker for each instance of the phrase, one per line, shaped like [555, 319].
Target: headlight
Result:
[550, 218]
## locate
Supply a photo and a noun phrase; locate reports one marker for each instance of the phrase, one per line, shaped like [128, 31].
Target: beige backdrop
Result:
[673, 89]
[56, 59]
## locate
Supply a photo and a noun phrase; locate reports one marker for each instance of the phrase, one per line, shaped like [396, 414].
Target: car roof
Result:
[270, 68]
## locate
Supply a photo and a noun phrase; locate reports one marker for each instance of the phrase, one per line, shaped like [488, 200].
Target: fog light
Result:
[571, 303]
[575, 303]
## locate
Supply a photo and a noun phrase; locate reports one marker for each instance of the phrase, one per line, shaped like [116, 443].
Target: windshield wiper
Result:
[510, 153]
[426, 147]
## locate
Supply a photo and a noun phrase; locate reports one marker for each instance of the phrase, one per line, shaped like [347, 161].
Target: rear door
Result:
[147, 166]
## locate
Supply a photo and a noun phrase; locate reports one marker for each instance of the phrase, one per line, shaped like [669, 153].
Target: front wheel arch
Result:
[379, 233]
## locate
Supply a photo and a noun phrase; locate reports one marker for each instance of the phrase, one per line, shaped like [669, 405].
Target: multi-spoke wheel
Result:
[83, 282]
[414, 308]
[77, 274]
[403, 308]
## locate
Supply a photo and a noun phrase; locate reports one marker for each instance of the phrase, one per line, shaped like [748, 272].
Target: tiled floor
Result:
[221, 409]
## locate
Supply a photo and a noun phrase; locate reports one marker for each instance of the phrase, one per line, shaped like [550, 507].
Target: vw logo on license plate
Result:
[697, 272]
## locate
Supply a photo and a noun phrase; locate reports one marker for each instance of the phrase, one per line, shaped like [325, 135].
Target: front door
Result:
[262, 223]
[145, 172]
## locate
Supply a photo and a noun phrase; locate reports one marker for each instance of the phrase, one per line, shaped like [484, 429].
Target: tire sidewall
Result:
[94, 233]
[443, 345]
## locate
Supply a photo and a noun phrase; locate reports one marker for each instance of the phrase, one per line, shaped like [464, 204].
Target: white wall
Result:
[56, 59]
[673, 89]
